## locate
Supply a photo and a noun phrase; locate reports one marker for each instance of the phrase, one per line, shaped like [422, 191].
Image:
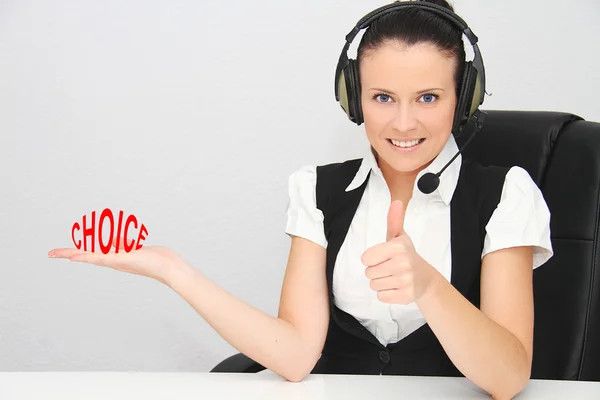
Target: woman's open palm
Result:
[155, 262]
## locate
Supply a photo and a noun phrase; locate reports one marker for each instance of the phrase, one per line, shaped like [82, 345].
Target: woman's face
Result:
[408, 101]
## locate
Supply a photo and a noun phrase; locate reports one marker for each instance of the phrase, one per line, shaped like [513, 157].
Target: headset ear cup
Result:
[478, 94]
[354, 93]
[342, 91]
[464, 104]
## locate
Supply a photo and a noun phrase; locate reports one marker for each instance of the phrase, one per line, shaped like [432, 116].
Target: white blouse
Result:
[522, 218]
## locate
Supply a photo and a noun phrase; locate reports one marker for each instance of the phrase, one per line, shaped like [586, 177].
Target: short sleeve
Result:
[304, 219]
[522, 218]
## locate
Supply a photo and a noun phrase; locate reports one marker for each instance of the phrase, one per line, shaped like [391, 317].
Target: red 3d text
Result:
[93, 230]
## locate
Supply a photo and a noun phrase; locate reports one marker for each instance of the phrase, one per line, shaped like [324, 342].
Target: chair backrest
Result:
[561, 152]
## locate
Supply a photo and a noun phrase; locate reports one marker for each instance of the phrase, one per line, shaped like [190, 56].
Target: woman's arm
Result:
[289, 345]
[492, 346]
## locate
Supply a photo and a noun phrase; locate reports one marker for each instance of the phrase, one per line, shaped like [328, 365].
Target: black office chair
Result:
[561, 152]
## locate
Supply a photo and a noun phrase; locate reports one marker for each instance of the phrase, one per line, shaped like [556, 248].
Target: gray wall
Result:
[191, 115]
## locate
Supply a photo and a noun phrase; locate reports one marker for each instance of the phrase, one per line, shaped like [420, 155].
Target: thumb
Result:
[118, 243]
[395, 220]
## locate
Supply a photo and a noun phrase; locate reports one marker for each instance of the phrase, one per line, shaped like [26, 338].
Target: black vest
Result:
[350, 348]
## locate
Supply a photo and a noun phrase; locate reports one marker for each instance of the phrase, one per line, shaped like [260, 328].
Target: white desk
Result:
[263, 386]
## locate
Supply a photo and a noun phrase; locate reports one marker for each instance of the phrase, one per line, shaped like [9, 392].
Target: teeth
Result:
[406, 144]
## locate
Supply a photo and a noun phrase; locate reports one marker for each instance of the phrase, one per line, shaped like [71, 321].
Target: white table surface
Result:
[264, 386]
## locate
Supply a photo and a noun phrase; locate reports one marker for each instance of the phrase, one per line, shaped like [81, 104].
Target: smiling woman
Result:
[415, 110]
[384, 278]
[434, 300]
[410, 68]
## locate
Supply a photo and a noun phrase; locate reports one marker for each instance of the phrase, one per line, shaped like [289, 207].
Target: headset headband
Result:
[450, 16]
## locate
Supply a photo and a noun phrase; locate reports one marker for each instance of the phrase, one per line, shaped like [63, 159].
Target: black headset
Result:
[472, 85]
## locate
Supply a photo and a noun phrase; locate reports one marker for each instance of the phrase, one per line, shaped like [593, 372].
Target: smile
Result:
[406, 145]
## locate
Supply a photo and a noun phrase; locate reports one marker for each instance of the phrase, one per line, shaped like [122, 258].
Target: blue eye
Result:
[429, 98]
[382, 97]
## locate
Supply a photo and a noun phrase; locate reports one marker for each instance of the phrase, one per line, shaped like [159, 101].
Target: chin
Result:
[402, 162]
[409, 169]
[405, 166]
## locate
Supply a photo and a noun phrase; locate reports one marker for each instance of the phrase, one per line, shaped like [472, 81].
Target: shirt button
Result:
[384, 356]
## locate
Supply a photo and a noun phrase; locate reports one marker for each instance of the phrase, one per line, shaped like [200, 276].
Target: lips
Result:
[406, 143]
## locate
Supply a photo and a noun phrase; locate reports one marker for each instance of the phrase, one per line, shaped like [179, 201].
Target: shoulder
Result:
[521, 192]
[338, 171]
[504, 178]
[522, 218]
[519, 177]
[304, 219]
[475, 173]
[328, 173]
[479, 187]
[303, 174]
[333, 167]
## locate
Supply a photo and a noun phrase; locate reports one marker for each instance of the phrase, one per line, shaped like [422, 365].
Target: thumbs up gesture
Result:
[396, 271]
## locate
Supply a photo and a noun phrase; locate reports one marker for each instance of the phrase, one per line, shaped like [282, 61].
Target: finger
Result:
[395, 220]
[382, 252]
[104, 260]
[395, 296]
[378, 272]
[63, 252]
[391, 282]
[375, 255]
[386, 283]
[395, 267]
[118, 242]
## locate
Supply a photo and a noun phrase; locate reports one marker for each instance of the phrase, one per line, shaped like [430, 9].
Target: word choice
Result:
[90, 232]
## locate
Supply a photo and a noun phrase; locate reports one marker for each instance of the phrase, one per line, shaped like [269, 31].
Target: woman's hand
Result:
[397, 272]
[155, 262]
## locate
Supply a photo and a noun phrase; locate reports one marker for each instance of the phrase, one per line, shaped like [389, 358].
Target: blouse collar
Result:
[448, 179]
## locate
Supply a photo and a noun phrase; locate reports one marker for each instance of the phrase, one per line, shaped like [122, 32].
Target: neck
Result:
[400, 184]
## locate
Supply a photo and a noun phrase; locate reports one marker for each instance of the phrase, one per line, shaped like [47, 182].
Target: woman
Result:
[403, 297]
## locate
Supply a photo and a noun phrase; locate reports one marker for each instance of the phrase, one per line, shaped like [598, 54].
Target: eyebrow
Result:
[390, 92]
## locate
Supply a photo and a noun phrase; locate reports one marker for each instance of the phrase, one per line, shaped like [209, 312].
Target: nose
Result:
[405, 119]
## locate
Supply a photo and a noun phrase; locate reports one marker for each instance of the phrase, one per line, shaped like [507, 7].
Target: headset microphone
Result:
[430, 181]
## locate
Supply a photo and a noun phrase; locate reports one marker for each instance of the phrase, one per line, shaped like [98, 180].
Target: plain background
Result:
[191, 115]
